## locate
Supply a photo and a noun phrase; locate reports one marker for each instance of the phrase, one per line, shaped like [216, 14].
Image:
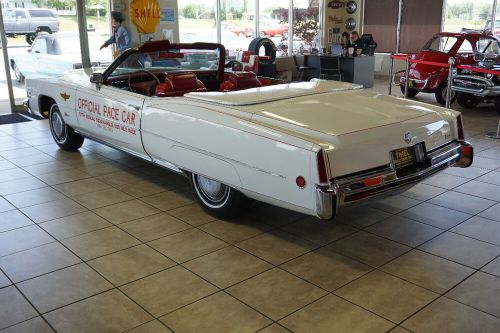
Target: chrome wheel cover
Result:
[213, 193]
[57, 125]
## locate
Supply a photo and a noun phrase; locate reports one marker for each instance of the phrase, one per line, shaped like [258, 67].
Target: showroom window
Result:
[461, 14]
[237, 24]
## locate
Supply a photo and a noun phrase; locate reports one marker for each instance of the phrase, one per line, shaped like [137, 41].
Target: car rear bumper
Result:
[385, 182]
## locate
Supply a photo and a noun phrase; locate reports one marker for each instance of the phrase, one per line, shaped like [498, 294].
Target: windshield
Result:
[488, 45]
[170, 60]
[441, 44]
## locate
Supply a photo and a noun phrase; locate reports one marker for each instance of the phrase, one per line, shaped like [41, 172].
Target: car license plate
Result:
[410, 84]
[403, 157]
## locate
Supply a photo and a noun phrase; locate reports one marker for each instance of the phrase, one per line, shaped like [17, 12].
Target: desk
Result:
[359, 70]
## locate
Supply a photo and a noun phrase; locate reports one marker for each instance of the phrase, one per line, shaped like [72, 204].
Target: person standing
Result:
[120, 36]
[356, 43]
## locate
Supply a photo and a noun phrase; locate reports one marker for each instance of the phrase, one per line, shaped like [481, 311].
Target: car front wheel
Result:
[467, 101]
[63, 135]
[30, 38]
[412, 92]
[441, 94]
[219, 200]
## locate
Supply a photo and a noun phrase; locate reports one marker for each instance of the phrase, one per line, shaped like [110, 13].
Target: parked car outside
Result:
[473, 87]
[312, 147]
[272, 28]
[442, 46]
[54, 54]
[29, 21]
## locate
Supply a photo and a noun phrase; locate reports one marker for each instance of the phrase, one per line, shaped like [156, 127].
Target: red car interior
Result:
[178, 84]
[239, 80]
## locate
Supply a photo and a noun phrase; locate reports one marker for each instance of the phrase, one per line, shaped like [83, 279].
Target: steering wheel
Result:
[139, 71]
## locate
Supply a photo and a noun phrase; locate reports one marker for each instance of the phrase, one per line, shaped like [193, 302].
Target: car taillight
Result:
[322, 170]
[460, 128]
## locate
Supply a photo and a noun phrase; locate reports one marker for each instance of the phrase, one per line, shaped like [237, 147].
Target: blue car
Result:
[54, 54]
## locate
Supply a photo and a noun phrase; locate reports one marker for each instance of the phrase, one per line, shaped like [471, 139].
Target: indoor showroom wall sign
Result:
[145, 15]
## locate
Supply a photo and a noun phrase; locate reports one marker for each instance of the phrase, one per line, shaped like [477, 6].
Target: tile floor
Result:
[98, 241]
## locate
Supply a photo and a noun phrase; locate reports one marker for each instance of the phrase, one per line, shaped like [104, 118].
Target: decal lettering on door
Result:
[107, 117]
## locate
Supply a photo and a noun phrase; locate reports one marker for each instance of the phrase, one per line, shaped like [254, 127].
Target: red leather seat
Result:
[239, 80]
[178, 84]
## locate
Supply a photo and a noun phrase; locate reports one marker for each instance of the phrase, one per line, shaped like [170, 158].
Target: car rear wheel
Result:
[467, 101]
[412, 92]
[30, 38]
[441, 92]
[219, 200]
[63, 135]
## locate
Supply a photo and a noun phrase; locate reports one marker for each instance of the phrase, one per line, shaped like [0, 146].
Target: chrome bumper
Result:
[385, 182]
[475, 85]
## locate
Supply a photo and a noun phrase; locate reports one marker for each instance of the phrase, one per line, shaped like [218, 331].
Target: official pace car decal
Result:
[106, 117]
[65, 96]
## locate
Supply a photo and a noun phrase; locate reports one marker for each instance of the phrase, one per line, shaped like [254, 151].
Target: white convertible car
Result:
[311, 147]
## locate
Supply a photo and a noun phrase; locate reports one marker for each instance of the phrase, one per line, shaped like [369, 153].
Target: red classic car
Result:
[270, 29]
[441, 47]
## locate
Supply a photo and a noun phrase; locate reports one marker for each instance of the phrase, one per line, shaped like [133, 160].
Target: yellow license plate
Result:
[410, 84]
[403, 157]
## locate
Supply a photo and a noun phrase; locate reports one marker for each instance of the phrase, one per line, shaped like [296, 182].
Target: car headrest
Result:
[183, 81]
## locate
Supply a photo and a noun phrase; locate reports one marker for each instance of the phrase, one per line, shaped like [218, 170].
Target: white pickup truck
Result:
[29, 21]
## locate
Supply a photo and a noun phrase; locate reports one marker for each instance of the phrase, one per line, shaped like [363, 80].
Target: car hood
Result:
[330, 107]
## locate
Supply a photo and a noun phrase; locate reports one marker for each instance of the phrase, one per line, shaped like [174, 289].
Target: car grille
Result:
[473, 83]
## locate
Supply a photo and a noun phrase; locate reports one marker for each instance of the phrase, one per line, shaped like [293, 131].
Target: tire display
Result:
[269, 47]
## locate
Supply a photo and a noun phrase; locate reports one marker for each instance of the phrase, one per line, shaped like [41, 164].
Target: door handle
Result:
[134, 106]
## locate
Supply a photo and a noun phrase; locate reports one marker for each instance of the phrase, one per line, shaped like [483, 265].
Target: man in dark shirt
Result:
[356, 43]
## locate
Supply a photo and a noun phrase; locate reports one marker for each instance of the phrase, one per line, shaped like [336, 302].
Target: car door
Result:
[22, 22]
[111, 115]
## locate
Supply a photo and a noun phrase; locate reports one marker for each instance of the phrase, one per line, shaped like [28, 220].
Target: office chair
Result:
[330, 68]
[302, 69]
[369, 45]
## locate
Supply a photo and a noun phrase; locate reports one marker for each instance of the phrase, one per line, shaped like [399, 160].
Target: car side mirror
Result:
[97, 78]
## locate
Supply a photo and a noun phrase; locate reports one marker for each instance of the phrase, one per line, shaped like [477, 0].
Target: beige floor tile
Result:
[20, 185]
[143, 188]
[486, 163]
[6, 165]
[35, 325]
[37, 261]
[4, 281]
[274, 328]
[13, 219]
[445, 181]
[237, 316]
[332, 314]
[122, 178]
[277, 246]
[31, 160]
[188, 244]
[5, 205]
[326, 268]
[386, 295]
[192, 214]
[19, 152]
[437, 216]
[48, 167]
[227, 266]
[18, 308]
[369, 249]
[82, 187]
[34, 197]
[276, 293]
[102, 168]
[493, 177]
[13, 174]
[492, 152]
[462, 202]
[447, 316]
[470, 172]
[492, 213]
[464, 250]
[53, 210]
[479, 291]
[480, 189]
[154, 226]
[108, 312]
[480, 228]
[428, 271]
[79, 160]
[405, 231]
[22, 239]
[235, 230]
[130, 264]
[63, 176]
[361, 218]
[74, 225]
[59, 288]
[168, 290]
[395, 204]
[319, 232]
[101, 198]
[493, 267]
[126, 211]
[100, 242]
[169, 200]
[151, 327]
[423, 192]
